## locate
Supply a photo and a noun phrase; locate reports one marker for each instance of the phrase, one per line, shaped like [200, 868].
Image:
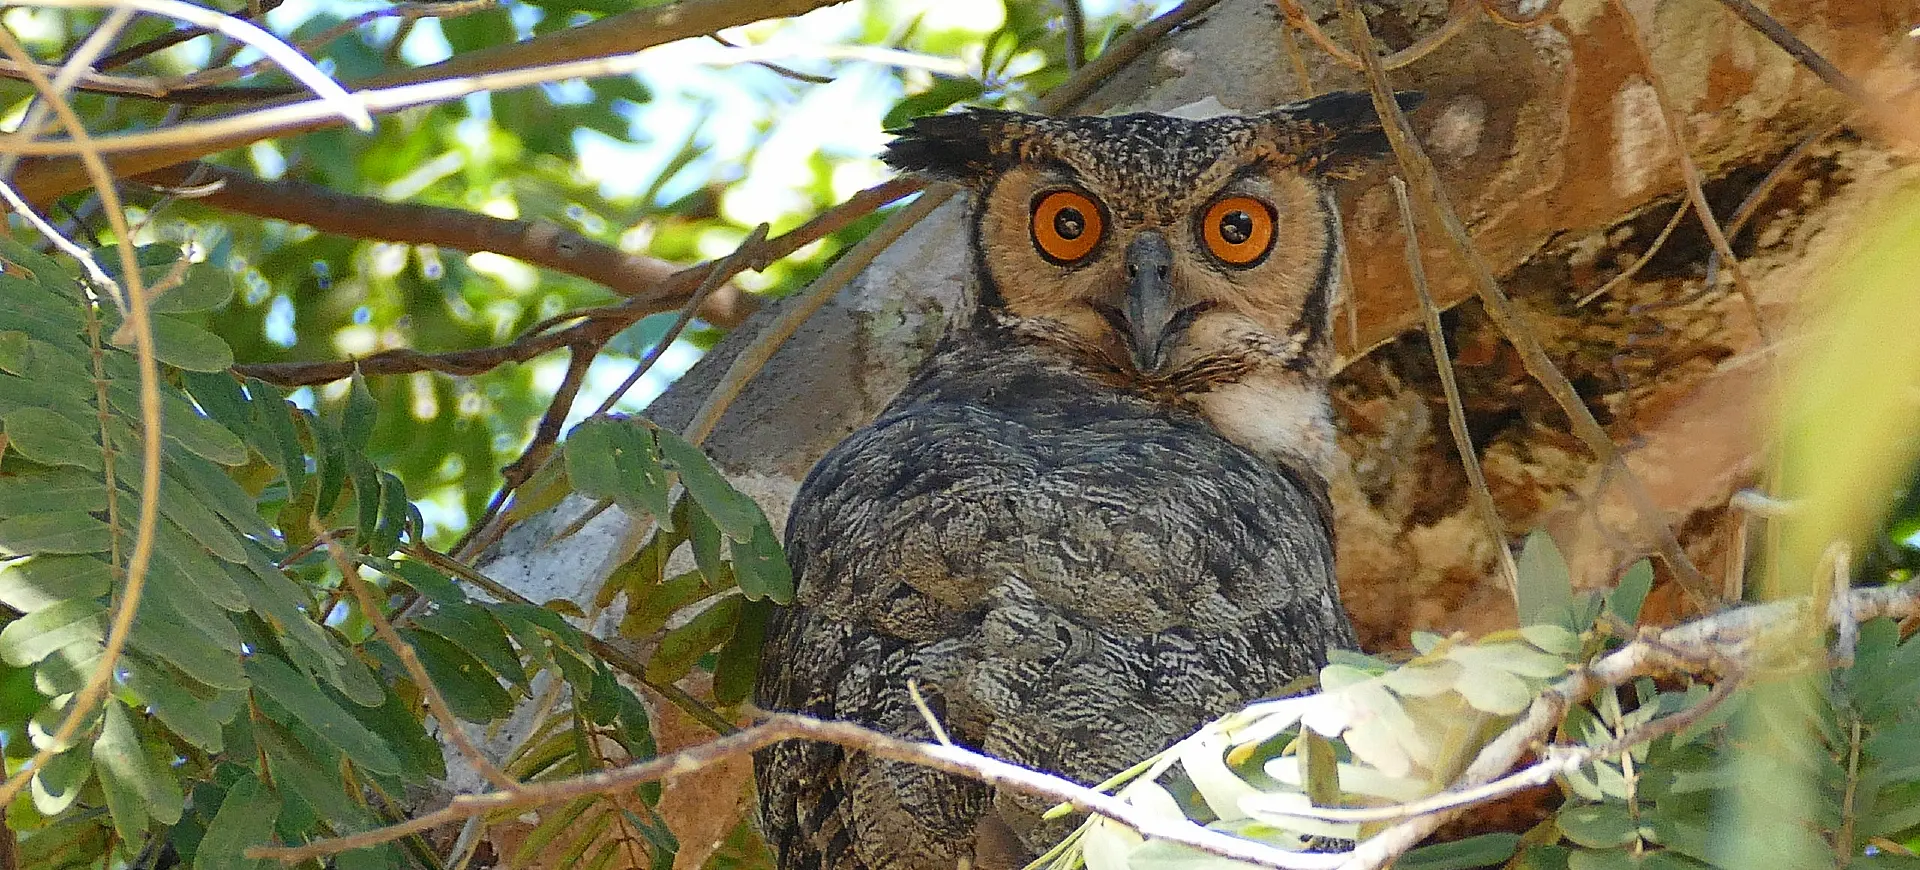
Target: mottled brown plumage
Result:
[1097, 516]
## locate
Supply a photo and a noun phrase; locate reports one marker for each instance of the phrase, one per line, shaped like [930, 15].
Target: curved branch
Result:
[540, 243]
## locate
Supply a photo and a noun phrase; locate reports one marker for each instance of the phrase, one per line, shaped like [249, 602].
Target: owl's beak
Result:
[1150, 313]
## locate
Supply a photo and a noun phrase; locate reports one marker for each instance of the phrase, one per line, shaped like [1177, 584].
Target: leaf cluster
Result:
[253, 703]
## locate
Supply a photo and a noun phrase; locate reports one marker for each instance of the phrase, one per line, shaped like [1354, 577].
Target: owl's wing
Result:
[823, 808]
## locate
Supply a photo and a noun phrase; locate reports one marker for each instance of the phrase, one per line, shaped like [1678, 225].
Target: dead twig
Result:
[1459, 15]
[430, 693]
[1456, 410]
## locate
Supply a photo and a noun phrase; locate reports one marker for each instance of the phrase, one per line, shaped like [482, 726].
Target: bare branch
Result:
[621, 34]
[540, 243]
[429, 692]
[597, 324]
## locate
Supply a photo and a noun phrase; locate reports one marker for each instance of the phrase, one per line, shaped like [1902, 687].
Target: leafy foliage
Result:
[252, 703]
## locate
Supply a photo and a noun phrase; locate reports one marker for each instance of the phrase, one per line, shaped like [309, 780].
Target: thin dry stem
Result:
[429, 692]
[139, 323]
[285, 56]
[1689, 172]
[1456, 410]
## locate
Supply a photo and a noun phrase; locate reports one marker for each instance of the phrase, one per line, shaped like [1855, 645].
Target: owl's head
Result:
[1177, 254]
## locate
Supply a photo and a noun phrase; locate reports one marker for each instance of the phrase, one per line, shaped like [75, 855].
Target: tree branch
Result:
[625, 33]
[540, 243]
[597, 324]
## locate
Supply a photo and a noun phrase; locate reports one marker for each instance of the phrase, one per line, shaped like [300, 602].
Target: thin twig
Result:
[1690, 172]
[599, 323]
[334, 97]
[1767, 183]
[1456, 411]
[796, 313]
[141, 327]
[728, 266]
[168, 40]
[1673, 223]
[1420, 173]
[782, 727]
[313, 114]
[430, 693]
[1459, 15]
[1074, 19]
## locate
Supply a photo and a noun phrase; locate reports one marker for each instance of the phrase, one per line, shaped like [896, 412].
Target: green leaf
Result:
[1485, 850]
[734, 513]
[739, 660]
[1597, 826]
[366, 494]
[58, 783]
[199, 715]
[314, 781]
[166, 636]
[427, 581]
[356, 426]
[135, 786]
[471, 690]
[306, 702]
[13, 352]
[202, 288]
[218, 491]
[1610, 859]
[218, 394]
[760, 567]
[273, 428]
[182, 345]
[1546, 587]
[393, 515]
[41, 633]
[51, 439]
[54, 489]
[618, 460]
[942, 94]
[54, 532]
[475, 630]
[1631, 592]
[30, 584]
[683, 645]
[245, 819]
[649, 606]
[706, 540]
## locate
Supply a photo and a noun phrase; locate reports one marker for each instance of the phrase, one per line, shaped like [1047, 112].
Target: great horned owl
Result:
[1097, 517]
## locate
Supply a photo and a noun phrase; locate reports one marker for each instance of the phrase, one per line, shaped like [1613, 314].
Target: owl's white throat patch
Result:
[1276, 417]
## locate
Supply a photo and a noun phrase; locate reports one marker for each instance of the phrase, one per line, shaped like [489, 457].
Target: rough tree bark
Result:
[1550, 140]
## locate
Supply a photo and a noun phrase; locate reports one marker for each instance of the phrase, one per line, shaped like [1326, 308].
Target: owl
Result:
[1097, 516]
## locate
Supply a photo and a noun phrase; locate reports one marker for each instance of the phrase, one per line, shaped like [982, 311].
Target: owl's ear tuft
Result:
[961, 147]
[1348, 134]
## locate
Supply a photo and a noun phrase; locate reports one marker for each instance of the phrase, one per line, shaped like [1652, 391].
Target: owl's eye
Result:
[1066, 226]
[1238, 230]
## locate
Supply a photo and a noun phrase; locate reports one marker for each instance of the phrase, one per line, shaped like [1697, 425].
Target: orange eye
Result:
[1238, 230]
[1066, 226]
